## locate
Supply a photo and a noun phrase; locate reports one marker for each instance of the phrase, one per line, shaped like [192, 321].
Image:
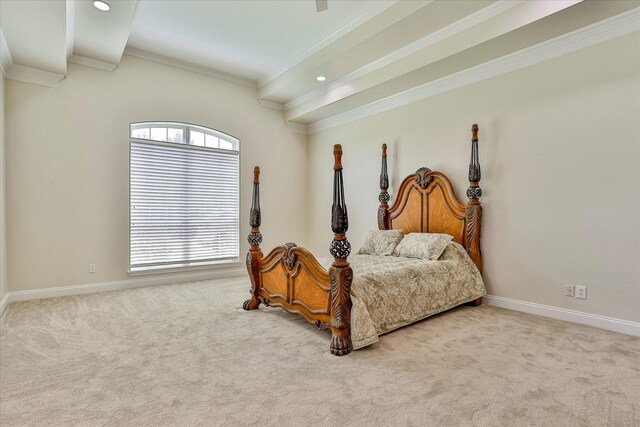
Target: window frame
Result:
[194, 266]
[186, 133]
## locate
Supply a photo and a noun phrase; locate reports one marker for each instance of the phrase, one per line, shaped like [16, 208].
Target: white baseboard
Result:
[603, 322]
[137, 282]
[4, 303]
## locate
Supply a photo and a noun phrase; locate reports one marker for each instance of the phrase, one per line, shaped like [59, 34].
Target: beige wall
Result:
[560, 156]
[67, 165]
[558, 145]
[3, 227]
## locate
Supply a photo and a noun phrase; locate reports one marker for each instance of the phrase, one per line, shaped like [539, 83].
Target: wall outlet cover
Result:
[581, 292]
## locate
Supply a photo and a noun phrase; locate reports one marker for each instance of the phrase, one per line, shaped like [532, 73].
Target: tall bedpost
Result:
[340, 273]
[383, 210]
[474, 209]
[255, 238]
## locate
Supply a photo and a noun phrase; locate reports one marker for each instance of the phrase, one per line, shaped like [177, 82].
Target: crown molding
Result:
[13, 71]
[90, 62]
[378, 7]
[298, 128]
[33, 75]
[271, 105]
[143, 54]
[450, 30]
[605, 30]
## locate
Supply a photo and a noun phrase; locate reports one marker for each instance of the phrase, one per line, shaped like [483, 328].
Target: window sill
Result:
[178, 269]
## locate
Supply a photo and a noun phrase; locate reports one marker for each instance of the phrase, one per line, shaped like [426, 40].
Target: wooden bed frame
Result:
[290, 276]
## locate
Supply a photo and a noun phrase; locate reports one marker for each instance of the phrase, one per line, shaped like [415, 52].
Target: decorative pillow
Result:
[381, 242]
[423, 245]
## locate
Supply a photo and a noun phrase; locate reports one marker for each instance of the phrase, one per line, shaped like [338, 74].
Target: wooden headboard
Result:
[427, 203]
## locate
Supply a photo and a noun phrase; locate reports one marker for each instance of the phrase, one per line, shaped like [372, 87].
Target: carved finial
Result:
[384, 178]
[474, 192]
[383, 217]
[337, 154]
[255, 217]
[340, 247]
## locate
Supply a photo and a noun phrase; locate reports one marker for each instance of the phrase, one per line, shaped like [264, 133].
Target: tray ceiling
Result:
[370, 51]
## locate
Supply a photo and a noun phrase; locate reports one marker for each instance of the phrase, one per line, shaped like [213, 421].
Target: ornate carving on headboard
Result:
[423, 178]
[289, 258]
[426, 202]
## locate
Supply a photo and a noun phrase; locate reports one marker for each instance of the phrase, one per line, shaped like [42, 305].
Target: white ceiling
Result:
[254, 39]
[99, 35]
[375, 54]
[36, 33]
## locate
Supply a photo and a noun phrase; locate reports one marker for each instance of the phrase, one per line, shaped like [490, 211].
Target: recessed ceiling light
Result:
[321, 78]
[101, 5]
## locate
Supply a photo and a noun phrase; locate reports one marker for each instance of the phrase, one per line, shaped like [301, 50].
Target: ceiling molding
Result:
[13, 71]
[298, 128]
[142, 54]
[450, 30]
[33, 75]
[94, 63]
[370, 13]
[271, 105]
[5, 54]
[605, 30]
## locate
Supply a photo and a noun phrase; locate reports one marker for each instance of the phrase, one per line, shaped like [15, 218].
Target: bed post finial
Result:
[255, 238]
[383, 210]
[255, 218]
[340, 273]
[474, 191]
[474, 209]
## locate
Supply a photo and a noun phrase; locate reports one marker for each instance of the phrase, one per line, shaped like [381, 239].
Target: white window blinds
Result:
[183, 205]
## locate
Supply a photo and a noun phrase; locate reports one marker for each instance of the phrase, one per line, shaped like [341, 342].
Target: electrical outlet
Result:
[570, 290]
[92, 268]
[581, 292]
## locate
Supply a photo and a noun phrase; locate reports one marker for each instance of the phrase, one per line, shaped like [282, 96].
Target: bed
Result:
[376, 294]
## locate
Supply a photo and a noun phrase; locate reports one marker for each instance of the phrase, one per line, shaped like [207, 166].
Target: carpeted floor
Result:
[189, 355]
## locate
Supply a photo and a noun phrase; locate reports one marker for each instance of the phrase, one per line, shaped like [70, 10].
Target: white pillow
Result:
[422, 245]
[381, 242]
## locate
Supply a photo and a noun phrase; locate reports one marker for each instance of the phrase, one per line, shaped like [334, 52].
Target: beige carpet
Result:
[188, 355]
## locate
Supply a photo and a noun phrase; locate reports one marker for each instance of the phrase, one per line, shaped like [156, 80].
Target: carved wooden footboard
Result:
[290, 276]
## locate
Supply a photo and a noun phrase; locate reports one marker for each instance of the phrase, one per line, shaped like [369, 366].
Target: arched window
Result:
[183, 196]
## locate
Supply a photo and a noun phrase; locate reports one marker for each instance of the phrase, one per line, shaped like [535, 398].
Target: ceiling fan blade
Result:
[321, 5]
